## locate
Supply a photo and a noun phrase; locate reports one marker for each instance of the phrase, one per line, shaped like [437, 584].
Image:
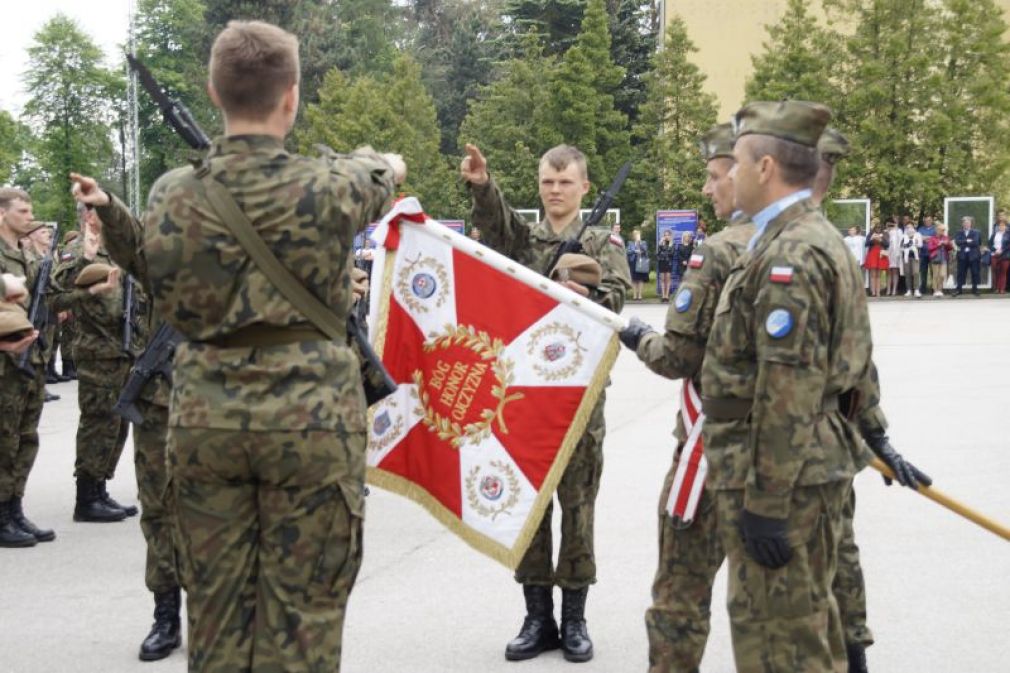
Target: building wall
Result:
[727, 34]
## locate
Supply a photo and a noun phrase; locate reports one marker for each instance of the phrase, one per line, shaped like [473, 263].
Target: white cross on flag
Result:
[498, 372]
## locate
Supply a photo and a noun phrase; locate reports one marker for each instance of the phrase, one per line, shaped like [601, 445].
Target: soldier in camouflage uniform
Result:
[72, 242]
[690, 555]
[20, 395]
[267, 426]
[124, 238]
[563, 183]
[102, 369]
[790, 336]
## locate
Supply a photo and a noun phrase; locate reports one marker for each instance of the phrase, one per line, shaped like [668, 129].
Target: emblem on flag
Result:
[490, 403]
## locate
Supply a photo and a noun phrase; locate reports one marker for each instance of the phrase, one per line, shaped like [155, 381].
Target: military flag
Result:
[498, 372]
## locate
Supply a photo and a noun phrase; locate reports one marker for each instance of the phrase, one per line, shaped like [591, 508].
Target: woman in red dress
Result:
[876, 258]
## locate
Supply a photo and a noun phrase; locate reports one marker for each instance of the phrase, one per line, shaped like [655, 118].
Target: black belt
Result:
[263, 336]
[736, 408]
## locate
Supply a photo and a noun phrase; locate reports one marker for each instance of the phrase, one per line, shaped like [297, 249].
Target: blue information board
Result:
[679, 222]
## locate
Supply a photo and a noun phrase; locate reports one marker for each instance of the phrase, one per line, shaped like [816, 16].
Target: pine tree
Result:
[69, 112]
[392, 113]
[634, 27]
[677, 112]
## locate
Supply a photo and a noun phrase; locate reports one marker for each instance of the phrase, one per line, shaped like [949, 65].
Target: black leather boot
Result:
[52, 376]
[22, 522]
[90, 506]
[11, 534]
[575, 642]
[48, 396]
[69, 370]
[130, 510]
[539, 632]
[166, 633]
[857, 658]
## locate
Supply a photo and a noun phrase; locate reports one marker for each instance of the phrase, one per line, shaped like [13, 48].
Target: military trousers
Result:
[270, 530]
[101, 433]
[786, 620]
[157, 517]
[677, 623]
[850, 587]
[576, 567]
[20, 410]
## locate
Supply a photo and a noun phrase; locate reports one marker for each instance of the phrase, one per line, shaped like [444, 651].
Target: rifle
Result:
[379, 382]
[156, 359]
[128, 303]
[574, 245]
[38, 313]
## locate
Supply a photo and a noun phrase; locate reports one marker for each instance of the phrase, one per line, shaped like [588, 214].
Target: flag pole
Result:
[951, 504]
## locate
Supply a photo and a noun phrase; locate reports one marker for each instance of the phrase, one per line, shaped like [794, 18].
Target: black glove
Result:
[633, 333]
[765, 540]
[904, 472]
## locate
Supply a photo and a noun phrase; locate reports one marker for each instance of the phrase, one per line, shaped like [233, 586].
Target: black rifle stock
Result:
[38, 314]
[574, 245]
[156, 359]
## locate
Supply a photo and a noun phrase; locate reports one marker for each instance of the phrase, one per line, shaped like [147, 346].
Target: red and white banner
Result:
[498, 372]
[692, 466]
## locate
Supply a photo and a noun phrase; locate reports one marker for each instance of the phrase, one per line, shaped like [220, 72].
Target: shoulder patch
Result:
[66, 257]
[779, 323]
[781, 274]
[616, 240]
[683, 300]
[697, 261]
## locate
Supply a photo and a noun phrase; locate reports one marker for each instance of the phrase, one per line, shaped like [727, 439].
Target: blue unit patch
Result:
[683, 300]
[779, 323]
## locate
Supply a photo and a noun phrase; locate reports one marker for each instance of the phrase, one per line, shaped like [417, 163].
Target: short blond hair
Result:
[252, 64]
[10, 194]
[561, 156]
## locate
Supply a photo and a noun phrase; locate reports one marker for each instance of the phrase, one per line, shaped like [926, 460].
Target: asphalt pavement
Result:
[938, 587]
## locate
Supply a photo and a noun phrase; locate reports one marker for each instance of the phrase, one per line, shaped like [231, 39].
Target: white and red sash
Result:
[689, 479]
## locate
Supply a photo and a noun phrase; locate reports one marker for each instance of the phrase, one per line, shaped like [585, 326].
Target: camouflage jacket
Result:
[19, 262]
[677, 352]
[791, 333]
[100, 318]
[533, 245]
[124, 239]
[307, 210]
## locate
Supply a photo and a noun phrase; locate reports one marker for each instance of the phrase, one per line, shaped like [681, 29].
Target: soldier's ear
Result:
[214, 98]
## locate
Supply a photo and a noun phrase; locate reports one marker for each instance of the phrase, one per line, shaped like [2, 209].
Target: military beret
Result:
[833, 145]
[71, 236]
[718, 142]
[797, 121]
[13, 321]
[93, 273]
[581, 269]
[36, 225]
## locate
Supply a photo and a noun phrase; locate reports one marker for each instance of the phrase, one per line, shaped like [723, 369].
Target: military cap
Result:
[833, 145]
[93, 273]
[13, 321]
[717, 142]
[36, 225]
[581, 269]
[71, 236]
[797, 121]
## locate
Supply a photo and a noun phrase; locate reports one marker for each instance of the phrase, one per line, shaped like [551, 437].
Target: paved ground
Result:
[939, 594]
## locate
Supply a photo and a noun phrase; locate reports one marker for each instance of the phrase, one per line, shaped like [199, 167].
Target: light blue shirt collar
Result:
[763, 218]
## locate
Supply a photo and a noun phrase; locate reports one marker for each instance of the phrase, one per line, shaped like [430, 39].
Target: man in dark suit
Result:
[968, 255]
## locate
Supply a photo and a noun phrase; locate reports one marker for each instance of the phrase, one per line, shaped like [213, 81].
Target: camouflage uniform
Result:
[102, 366]
[534, 245]
[124, 239]
[20, 396]
[68, 328]
[267, 424]
[678, 621]
[776, 442]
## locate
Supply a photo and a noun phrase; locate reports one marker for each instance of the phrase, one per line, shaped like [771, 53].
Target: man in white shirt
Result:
[856, 244]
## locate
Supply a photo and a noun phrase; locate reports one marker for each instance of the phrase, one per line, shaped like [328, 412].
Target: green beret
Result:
[718, 142]
[71, 235]
[833, 145]
[579, 268]
[93, 273]
[36, 225]
[14, 322]
[797, 121]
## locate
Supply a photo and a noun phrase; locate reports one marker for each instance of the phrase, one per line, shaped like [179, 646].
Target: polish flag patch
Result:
[781, 274]
[616, 240]
[696, 261]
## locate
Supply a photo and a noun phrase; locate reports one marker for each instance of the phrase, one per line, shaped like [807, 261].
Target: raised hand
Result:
[87, 191]
[473, 168]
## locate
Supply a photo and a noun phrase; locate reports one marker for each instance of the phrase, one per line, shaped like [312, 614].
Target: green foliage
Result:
[69, 112]
[669, 172]
[392, 113]
[634, 28]
[556, 23]
[15, 141]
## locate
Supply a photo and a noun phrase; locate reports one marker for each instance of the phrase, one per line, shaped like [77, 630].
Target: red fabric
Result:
[876, 259]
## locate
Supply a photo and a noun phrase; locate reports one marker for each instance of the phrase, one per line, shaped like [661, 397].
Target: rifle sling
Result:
[282, 279]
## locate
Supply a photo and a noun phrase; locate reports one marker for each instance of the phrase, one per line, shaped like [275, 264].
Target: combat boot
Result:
[166, 633]
[130, 510]
[52, 376]
[857, 658]
[22, 522]
[575, 642]
[11, 534]
[90, 506]
[539, 632]
[69, 370]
